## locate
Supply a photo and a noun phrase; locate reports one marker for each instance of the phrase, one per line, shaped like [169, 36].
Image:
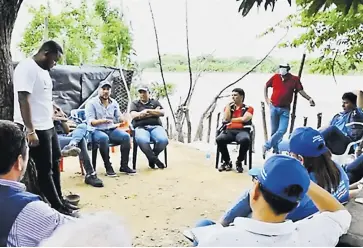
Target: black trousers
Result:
[242, 137]
[335, 140]
[46, 157]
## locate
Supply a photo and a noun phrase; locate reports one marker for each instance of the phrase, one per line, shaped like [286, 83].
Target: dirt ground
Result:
[159, 205]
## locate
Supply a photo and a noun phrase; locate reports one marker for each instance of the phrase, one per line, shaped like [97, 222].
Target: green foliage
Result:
[80, 30]
[157, 90]
[177, 63]
[336, 36]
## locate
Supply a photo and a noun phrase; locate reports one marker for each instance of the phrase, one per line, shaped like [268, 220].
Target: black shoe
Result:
[66, 211]
[151, 165]
[229, 166]
[94, 181]
[127, 170]
[225, 166]
[159, 164]
[110, 172]
[69, 205]
[239, 167]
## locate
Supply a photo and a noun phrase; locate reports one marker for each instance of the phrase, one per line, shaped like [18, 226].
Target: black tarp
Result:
[73, 85]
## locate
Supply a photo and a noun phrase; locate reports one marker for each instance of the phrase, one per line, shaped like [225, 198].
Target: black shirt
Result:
[138, 106]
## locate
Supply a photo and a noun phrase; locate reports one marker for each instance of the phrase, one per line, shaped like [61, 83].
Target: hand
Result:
[145, 111]
[312, 103]
[33, 139]
[106, 121]
[268, 101]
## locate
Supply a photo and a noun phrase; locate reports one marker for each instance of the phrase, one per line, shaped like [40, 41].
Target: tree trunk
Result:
[179, 124]
[189, 125]
[8, 13]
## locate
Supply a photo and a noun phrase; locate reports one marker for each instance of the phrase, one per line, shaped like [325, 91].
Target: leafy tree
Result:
[336, 36]
[81, 30]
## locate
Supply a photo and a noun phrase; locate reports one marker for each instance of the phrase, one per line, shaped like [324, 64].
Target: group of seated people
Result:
[103, 119]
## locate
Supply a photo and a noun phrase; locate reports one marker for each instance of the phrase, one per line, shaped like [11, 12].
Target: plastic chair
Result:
[341, 159]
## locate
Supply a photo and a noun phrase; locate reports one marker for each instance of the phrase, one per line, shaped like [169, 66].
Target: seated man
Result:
[103, 113]
[237, 114]
[277, 190]
[337, 136]
[146, 114]
[75, 143]
[25, 219]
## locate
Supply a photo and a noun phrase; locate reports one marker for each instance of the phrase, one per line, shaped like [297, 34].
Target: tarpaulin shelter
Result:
[74, 85]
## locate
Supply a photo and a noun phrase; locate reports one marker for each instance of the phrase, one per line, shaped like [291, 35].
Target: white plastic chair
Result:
[346, 157]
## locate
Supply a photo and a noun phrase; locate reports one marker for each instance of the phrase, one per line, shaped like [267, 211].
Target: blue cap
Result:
[305, 141]
[280, 172]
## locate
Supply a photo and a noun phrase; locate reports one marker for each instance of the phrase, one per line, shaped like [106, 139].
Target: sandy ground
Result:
[159, 205]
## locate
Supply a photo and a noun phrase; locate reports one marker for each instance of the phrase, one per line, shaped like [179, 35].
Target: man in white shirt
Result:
[33, 112]
[277, 190]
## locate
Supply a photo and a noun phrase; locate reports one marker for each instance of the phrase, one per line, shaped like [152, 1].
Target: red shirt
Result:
[238, 113]
[283, 91]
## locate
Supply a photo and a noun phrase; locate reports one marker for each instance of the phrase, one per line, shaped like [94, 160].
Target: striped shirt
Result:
[35, 222]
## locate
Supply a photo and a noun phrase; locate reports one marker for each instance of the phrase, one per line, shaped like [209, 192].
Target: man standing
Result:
[103, 113]
[237, 115]
[283, 86]
[33, 112]
[25, 219]
[146, 114]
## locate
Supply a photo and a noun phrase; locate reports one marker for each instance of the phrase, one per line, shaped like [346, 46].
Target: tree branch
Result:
[188, 54]
[160, 64]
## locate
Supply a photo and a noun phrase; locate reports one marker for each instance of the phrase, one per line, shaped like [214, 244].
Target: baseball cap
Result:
[305, 141]
[280, 172]
[284, 65]
[143, 88]
[105, 83]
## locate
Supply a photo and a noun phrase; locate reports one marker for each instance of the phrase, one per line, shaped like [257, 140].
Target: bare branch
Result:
[188, 54]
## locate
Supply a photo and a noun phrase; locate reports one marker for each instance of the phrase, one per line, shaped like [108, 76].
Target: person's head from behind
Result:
[284, 68]
[238, 95]
[49, 54]
[102, 229]
[349, 101]
[144, 93]
[278, 188]
[105, 90]
[13, 151]
[307, 145]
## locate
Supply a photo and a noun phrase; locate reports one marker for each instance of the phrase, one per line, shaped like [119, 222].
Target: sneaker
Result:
[69, 212]
[239, 167]
[70, 151]
[127, 170]
[225, 167]
[110, 172]
[229, 166]
[94, 181]
[69, 205]
[159, 164]
[151, 165]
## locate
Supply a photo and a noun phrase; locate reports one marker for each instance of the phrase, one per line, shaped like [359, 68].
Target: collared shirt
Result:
[95, 110]
[36, 222]
[139, 106]
[319, 230]
[283, 90]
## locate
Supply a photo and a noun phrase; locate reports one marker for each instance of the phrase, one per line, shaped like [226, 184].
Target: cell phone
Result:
[359, 200]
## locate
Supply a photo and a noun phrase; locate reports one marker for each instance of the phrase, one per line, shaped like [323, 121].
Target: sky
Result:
[214, 26]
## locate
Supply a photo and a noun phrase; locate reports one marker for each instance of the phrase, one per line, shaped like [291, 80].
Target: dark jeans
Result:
[77, 137]
[155, 134]
[335, 140]
[242, 137]
[355, 170]
[114, 136]
[46, 157]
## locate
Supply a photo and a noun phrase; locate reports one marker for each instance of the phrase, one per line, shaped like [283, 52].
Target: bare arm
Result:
[25, 110]
[303, 94]
[266, 94]
[156, 112]
[245, 118]
[323, 200]
[227, 113]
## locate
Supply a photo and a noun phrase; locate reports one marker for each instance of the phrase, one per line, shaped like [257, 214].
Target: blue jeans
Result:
[115, 136]
[279, 124]
[239, 209]
[355, 170]
[78, 138]
[155, 134]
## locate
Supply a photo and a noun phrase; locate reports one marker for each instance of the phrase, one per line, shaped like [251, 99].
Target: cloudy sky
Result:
[214, 25]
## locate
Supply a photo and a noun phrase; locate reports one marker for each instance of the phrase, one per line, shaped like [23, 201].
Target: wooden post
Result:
[305, 121]
[209, 127]
[264, 124]
[320, 117]
[293, 113]
[167, 127]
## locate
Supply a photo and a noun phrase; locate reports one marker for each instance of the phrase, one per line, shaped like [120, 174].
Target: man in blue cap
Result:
[277, 190]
